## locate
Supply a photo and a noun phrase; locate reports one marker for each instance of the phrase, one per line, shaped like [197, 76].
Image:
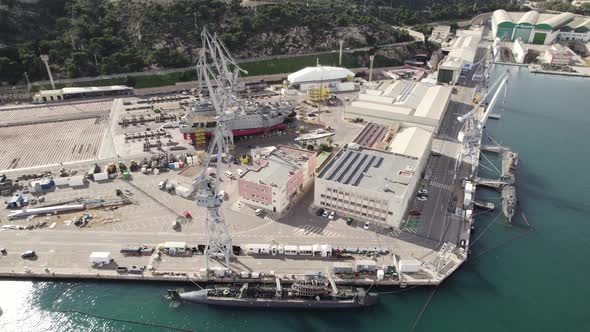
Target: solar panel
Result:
[346, 168]
[360, 170]
[334, 166]
[342, 164]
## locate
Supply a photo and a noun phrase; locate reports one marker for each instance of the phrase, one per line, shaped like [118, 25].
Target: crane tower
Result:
[214, 69]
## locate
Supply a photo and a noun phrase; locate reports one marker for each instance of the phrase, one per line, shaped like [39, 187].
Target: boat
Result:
[251, 119]
[313, 294]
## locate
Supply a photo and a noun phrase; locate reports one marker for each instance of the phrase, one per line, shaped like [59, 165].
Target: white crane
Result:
[220, 80]
[471, 133]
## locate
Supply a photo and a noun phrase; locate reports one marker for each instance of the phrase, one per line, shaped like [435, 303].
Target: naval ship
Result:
[253, 118]
[314, 294]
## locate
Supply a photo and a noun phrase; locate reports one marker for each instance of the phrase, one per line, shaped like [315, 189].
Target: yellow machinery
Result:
[200, 138]
[318, 94]
[244, 159]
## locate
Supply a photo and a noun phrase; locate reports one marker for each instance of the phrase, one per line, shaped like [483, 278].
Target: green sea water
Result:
[514, 281]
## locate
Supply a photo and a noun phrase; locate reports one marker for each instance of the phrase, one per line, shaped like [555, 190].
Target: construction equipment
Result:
[122, 166]
[111, 168]
[133, 166]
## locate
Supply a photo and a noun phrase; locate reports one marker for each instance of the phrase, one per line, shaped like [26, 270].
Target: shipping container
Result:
[342, 267]
[101, 176]
[409, 265]
[365, 266]
[99, 258]
[77, 181]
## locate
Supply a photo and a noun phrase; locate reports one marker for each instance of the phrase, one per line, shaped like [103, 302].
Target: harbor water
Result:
[515, 280]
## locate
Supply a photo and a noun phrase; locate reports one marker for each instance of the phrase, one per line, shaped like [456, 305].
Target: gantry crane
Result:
[214, 70]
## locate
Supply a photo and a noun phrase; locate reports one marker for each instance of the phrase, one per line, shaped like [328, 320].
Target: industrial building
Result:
[367, 184]
[541, 29]
[334, 78]
[83, 92]
[559, 55]
[460, 55]
[409, 102]
[276, 178]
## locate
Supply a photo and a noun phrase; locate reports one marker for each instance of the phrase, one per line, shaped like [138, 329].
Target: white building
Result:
[461, 53]
[275, 179]
[334, 78]
[367, 184]
[559, 55]
[440, 33]
[409, 102]
[81, 92]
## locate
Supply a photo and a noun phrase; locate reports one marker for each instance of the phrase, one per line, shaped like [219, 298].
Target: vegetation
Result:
[102, 37]
[567, 7]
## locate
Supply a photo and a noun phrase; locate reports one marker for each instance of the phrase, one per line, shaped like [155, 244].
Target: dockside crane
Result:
[470, 135]
[214, 70]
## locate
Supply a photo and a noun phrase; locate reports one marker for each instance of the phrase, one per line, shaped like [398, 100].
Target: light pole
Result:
[340, 55]
[28, 82]
[371, 58]
[45, 59]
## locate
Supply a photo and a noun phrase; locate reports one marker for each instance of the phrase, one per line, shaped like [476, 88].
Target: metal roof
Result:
[529, 18]
[501, 16]
[411, 141]
[556, 21]
[319, 73]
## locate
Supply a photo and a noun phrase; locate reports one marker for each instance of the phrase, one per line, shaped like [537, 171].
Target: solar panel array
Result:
[351, 166]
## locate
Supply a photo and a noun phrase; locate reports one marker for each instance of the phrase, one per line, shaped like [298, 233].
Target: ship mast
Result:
[214, 70]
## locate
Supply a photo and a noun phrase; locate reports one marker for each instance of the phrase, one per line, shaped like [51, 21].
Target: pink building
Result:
[275, 179]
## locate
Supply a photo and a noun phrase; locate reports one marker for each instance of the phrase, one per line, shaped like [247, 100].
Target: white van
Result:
[240, 172]
[229, 174]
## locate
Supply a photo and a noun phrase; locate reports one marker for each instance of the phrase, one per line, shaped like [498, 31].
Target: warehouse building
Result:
[276, 178]
[541, 29]
[83, 92]
[409, 102]
[334, 78]
[460, 55]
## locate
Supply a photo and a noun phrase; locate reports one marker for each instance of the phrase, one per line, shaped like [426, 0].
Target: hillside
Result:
[92, 37]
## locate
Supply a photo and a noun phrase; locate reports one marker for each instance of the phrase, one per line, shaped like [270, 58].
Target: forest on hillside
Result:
[94, 37]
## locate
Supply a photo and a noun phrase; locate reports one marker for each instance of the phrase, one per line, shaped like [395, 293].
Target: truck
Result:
[100, 258]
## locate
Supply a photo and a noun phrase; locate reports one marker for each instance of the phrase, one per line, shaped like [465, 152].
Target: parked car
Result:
[326, 213]
[423, 192]
[366, 226]
[332, 215]
[422, 198]
[349, 221]
[258, 212]
[122, 269]
[162, 185]
[3, 251]
[319, 212]
[415, 213]
[137, 270]
[28, 254]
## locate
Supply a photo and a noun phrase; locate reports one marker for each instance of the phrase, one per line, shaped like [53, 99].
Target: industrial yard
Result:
[288, 211]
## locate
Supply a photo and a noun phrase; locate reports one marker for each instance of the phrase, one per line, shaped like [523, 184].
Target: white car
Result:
[366, 226]
[332, 215]
[326, 213]
[423, 192]
[258, 212]
[422, 198]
